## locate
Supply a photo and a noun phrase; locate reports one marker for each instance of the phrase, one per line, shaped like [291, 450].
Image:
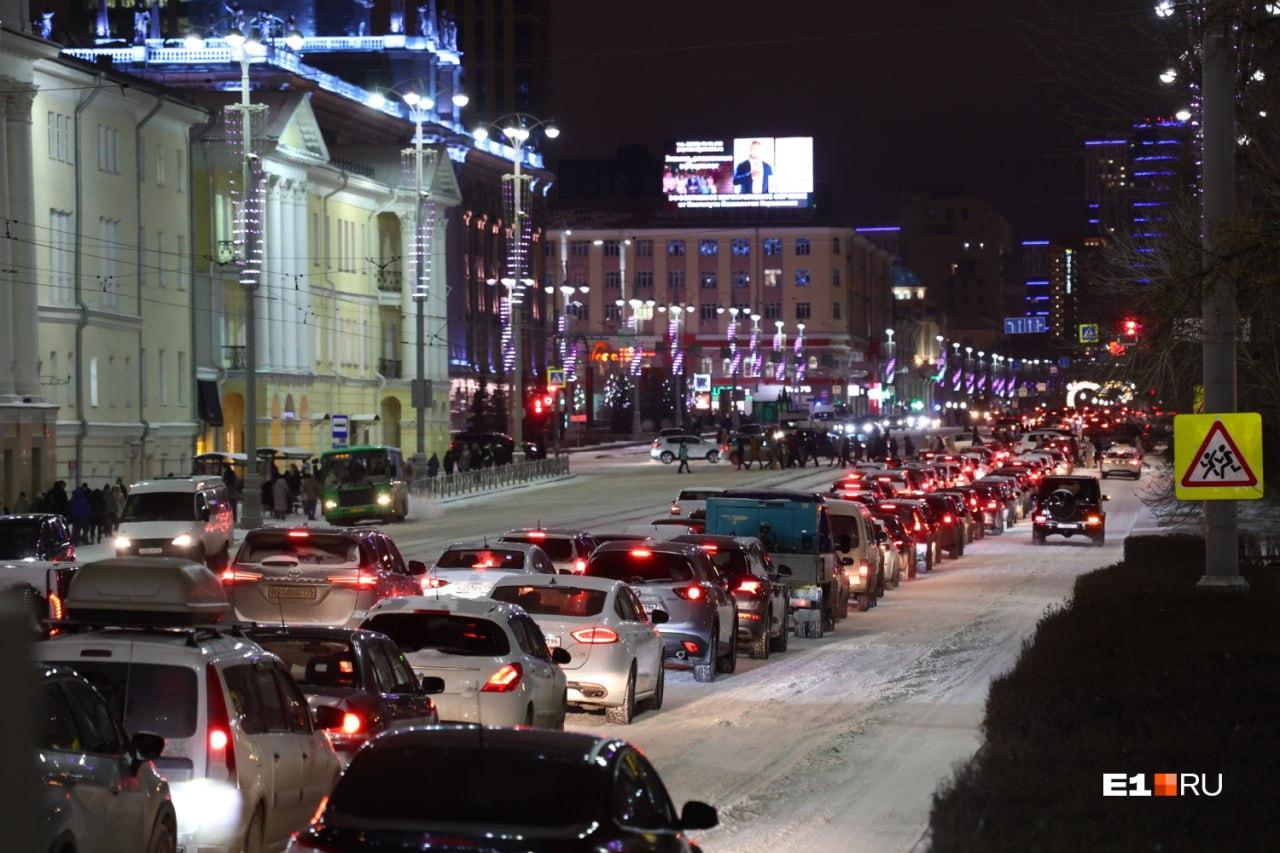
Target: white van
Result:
[187, 517]
[859, 554]
[247, 762]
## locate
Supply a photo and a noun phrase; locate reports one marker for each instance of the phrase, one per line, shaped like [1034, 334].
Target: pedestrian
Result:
[311, 492]
[741, 451]
[755, 452]
[80, 512]
[683, 456]
[433, 467]
[845, 451]
[464, 461]
[908, 446]
[893, 447]
[97, 513]
[22, 505]
[450, 461]
[280, 500]
[110, 510]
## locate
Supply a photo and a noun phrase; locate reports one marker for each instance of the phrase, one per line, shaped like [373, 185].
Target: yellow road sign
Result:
[1218, 457]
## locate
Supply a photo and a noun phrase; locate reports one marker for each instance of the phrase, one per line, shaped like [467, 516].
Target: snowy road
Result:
[839, 743]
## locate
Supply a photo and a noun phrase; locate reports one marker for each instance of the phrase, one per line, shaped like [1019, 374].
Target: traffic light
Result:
[1131, 327]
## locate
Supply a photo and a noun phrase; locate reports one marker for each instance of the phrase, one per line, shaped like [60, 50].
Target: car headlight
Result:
[122, 543]
[330, 504]
[384, 500]
[182, 540]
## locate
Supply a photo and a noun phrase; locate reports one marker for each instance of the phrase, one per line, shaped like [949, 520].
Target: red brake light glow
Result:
[991, 504]
[233, 576]
[298, 534]
[55, 607]
[221, 749]
[640, 552]
[1094, 519]
[749, 585]
[434, 583]
[217, 739]
[351, 723]
[947, 519]
[709, 547]
[675, 509]
[537, 534]
[691, 593]
[505, 680]
[357, 581]
[595, 635]
[579, 566]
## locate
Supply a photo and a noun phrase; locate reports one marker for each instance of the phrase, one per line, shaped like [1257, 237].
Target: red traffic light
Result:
[1131, 328]
[537, 405]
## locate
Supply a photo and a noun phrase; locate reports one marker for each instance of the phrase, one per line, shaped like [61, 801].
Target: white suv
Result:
[247, 765]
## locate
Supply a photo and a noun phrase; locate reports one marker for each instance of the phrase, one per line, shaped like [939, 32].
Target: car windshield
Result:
[640, 564]
[698, 494]
[1083, 488]
[159, 506]
[310, 549]
[480, 558]
[313, 662]
[161, 699]
[442, 631]
[557, 549]
[353, 467]
[1122, 452]
[466, 786]
[558, 600]
[19, 538]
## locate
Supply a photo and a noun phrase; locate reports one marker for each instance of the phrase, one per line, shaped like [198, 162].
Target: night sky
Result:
[989, 97]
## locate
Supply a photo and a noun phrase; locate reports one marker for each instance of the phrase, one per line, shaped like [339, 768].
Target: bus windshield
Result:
[353, 467]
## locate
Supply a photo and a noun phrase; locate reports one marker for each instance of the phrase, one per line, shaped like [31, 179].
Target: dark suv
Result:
[36, 536]
[757, 587]
[1071, 506]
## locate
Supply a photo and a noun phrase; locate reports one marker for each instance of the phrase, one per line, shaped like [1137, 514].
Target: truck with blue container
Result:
[795, 530]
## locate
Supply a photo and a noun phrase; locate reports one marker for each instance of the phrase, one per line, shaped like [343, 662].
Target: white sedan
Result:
[666, 448]
[470, 569]
[615, 651]
[492, 657]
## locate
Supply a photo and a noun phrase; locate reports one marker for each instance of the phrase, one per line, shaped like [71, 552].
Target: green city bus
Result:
[363, 482]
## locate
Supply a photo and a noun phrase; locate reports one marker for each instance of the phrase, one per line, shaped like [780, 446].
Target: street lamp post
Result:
[892, 379]
[424, 226]
[676, 314]
[517, 128]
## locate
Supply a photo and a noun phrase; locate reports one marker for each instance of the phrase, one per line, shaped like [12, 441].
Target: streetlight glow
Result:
[1183, 114]
[460, 99]
[1164, 9]
[194, 41]
[480, 134]
[295, 40]
[234, 37]
[551, 131]
[411, 98]
[1169, 75]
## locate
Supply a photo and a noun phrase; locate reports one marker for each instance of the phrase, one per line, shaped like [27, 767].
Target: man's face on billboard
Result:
[753, 152]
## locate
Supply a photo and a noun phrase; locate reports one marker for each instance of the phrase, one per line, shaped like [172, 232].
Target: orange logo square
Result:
[1166, 784]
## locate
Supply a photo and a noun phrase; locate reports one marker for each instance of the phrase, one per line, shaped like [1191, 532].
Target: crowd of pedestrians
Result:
[94, 513]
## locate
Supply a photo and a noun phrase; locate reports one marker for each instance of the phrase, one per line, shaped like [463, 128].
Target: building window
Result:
[182, 378]
[61, 257]
[644, 280]
[835, 310]
[675, 279]
[180, 170]
[802, 310]
[803, 279]
[675, 248]
[548, 249]
[93, 380]
[802, 245]
[835, 245]
[160, 176]
[773, 247]
[741, 247]
[773, 311]
[578, 248]
[108, 150]
[181, 261]
[772, 278]
[644, 248]
[162, 262]
[708, 248]
[707, 311]
[576, 310]
[109, 261]
[128, 382]
[612, 280]
[613, 313]
[835, 278]
[164, 379]
[59, 132]
[611, 248]
[741, 279]
[708, 281]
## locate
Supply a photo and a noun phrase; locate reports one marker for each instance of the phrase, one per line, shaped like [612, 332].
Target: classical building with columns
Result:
[97, 374]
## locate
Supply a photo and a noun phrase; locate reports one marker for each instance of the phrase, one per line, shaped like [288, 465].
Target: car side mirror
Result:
[145, 747]
[785, 571]
[417, 567]
[658, 616]
[327, 717]
[698, 815]
[432, 684]
[560, 656]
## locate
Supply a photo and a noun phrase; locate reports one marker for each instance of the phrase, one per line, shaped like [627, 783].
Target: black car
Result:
[1071, 506]
[361, 673]
[36, 536]
[473, 788]
[950, 524]
[763, 622]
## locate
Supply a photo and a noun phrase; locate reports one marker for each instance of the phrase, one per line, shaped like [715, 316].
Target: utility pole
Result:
[1218, 302]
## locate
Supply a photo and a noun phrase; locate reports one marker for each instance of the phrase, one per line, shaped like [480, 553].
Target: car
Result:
[702, 625]
[186, 517]
[360, 673]
[920, 530]
[964, 440]
[493, 658]
[568, 549]
[99, 789]
[692, 502]
[760, 590]
[615, 651]
[667, 448]
[857, 555]
[317, 575]
[899, 538]
[1070, 506]
[964, 503]
[151, 637]
[501, 790]
[891, 565]
[470, 569]
[903, 481]
[38, 588]
[857, 482]
[1016, 499]
[1120, 459]
[43, 536]
[992, 507]
[951, 526]
[661, 529]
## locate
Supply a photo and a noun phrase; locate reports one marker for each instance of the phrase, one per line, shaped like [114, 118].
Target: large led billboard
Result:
[748, 171]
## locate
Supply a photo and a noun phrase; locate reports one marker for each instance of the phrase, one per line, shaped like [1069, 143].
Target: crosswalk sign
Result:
[555, 377]
[1218, 457]
[1089, 333]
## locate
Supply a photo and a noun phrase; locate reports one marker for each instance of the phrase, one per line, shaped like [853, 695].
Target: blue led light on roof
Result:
[1038, 281]
[1094, 205]
[1150, 203]
[1154, 157]
[1035, 242]
[1149, 174]
[1093, 222]
[877, 229]
[1106, 142]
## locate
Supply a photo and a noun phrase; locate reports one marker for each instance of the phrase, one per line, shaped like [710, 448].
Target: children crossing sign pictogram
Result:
[1218, 457]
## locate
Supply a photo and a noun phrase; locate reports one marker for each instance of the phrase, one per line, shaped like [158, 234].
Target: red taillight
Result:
[675, 509]
[1041, 518]
[640, 552]
[916, 526]
[1094, 519]
[864, 568]
[947, 519]
[709, 547]
[973, 502]
[221, 748]
[991, 504]
[234, 576]
[887, 507]
[434, 583]
[298, 534]
[596, 635]
[506, 679]
[351, 723]
[749, 585]
[690, 593]
[691, 647]
[55, 607]
[536, 534]
[359, 580]
[656, 445]
[579, 566]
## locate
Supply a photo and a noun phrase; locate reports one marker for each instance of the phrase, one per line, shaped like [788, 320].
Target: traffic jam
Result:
[312, 688]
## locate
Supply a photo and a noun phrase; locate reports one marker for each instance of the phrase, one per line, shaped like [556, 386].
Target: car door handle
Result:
[276, 756]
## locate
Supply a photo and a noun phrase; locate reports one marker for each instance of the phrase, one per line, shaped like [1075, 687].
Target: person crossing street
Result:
[683, 456]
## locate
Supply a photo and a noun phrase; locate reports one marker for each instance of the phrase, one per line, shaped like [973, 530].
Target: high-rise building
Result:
[504, 46]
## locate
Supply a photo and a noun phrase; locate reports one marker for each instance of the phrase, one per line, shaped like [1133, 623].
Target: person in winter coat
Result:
[450, 461]
[464, 460]
[740, 450]
[97, 512]
[433, 466]
[683, 456]
[279, 497]
[311, 492]
[111, 510]
[908, 446]
[81, 513]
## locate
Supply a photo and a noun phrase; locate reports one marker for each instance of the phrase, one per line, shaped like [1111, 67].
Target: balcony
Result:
[389, 281]
[234, 358]
[389, 367]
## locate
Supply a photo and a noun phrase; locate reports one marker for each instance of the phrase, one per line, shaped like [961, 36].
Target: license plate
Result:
[148, 551]
[469, 589]
[649, 604]
[1072, 525]
[553, 641]
[305, 592]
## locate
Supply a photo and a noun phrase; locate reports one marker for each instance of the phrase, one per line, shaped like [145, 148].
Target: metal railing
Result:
[389, 367]
[234, 358]
[488, 479]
